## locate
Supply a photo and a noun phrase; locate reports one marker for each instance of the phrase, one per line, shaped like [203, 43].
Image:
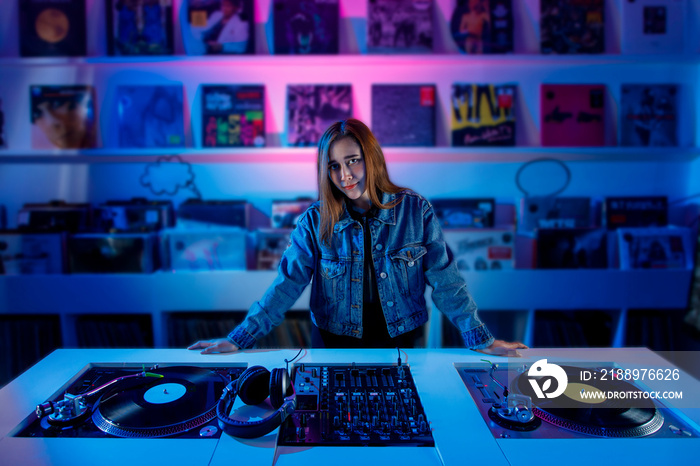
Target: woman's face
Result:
[63, 123]
[346, 168]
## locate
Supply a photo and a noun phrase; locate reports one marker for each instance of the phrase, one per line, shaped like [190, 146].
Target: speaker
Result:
[254, 386]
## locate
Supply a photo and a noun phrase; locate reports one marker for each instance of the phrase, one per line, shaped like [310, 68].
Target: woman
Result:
[354, 302]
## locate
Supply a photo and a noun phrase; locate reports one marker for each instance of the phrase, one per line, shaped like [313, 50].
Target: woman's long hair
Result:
[377, 178]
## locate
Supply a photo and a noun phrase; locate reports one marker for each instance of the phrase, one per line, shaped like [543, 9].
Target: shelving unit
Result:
[108, 172]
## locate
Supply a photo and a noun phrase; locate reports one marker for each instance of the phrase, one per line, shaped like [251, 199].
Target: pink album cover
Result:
[572, 114]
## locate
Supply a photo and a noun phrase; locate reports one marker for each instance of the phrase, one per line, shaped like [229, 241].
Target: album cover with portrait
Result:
[652, 26]
[211, 27]
[150, 116]
[572, 26]
[62, 117]
[572, 115]
[52, 28]
[649, 115]
[305, 27]
[233, 116]
[655, 248]
[483, 26]
[403, 114]
[311, 108]
[139, 27]
[483, 114]
[400, 26]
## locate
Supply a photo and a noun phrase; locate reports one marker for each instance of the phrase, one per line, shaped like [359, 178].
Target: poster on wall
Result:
[233, 116]
[483, 114]
[400, 26]
[139, 27]
[572, 114]
[404, 114]
[305, 27]
[649, 115]
[572, 26]
[51, 28]
[150, 116]
[311, 108]
[212, 27]
[63, 117]
[482, 26]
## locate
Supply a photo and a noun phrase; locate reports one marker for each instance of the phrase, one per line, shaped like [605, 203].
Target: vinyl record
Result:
[603, 417]
[184, 398]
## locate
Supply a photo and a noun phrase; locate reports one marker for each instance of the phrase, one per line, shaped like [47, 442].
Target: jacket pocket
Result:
[334, 281]
[408, 270]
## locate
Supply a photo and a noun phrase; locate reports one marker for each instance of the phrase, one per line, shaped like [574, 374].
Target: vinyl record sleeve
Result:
[555, 212]
[465, 212]
[150, 116]
[112, 253]
[218, 248]
[482, 249]
[213, 27]
[649, 115]
[400, 26]
[636, 211]
[311, 108]
[305, 27]
[483, 114]
[52, 28]
[572, 114]
[655, 248]
[139, 27]
[31, 253]
[483, 26]
[652, 26]
[572, 26]
[404, 114]
[270, 244]
[62, 117]
[233, 116]
[572, 248]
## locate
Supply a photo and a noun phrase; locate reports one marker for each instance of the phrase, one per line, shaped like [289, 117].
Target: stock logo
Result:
[544, 372]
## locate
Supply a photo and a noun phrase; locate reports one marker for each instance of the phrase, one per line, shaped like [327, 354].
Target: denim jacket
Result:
[408, 251]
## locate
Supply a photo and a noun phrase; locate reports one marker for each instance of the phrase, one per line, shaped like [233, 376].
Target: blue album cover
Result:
[404, 114]
[483, 114]
[150, 116]
[312, 108]
[63, 117]
[572, 26]
[304, 27]
[233, 115]
[218, 27]
[483, 26]
[52, 28]
[649, 115]
[395, 26]
[140, 27]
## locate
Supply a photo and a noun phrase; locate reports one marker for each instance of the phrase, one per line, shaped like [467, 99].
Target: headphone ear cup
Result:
[253, 385]
[279, 386]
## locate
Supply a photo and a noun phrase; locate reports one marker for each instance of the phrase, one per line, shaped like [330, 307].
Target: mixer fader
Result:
[356, 404]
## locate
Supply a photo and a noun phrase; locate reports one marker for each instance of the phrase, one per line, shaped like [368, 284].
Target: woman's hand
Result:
[220, 345]
[504, 348]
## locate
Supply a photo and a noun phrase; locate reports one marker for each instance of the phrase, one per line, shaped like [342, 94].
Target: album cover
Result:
[286, 212]
[572, 114]
[572, 26]
[139, 27]
[652, 26]
[31, 253]
[550, 212]
[3, 137]
[218, 27]
[305, 27]
[150, 116]
[636, 211]
[208, 249]
[270, 244]
[464, 212]
[200, 214]
[483, 114]
[63, 117]
[112, 253]
[483, 26]
[489, 249]
[572, 248]
[649, 115]
[233, 116]
[400, 26]
[655, 248]
[52, 28]
[403, 114]
[311, 108]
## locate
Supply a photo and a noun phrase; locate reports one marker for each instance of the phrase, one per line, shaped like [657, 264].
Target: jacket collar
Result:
[387, 216]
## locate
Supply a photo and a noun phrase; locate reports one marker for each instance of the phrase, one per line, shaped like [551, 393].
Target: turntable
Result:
[135, 401]
[514, 407]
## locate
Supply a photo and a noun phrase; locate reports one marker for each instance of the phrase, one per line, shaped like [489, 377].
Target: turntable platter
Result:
[184, 398]
[602, 417]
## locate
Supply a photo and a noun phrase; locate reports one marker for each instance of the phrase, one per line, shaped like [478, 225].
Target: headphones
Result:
[253, 386]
